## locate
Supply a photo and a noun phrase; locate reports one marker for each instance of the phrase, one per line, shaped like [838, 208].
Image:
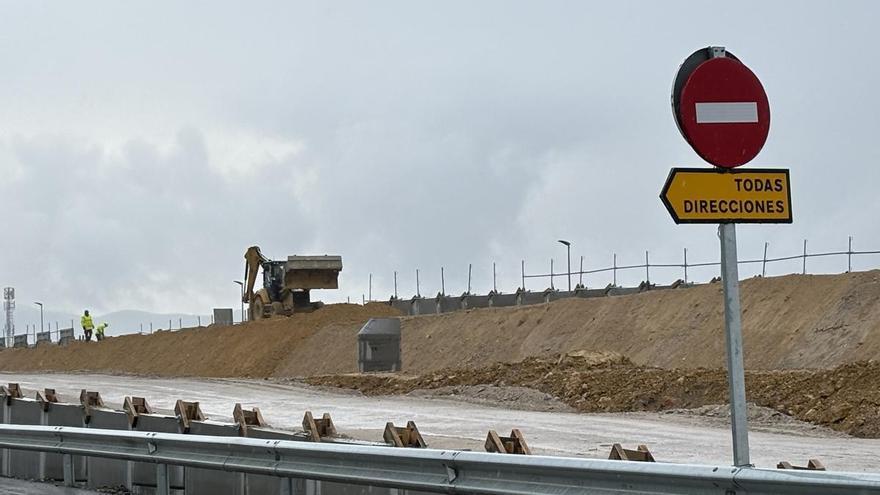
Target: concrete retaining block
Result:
[404, 307]
[209, 481]
[20, 341]
[143, 474]
[469, 302]
[25, 464]
[44, 337]
[65, 336]
[60, 414]
[556, 295]
[589, 293]
[103, 472]
[502, 300]
[448, 304]
[621, 291]
[529, 298]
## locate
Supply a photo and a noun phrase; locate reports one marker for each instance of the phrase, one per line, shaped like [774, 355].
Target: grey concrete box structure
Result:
[448, 304]
[379, 345]
[469, 302]
[107, 473]
[223, 316]
[44, 337]
[401, 305]
[527, 298]
[20, 341]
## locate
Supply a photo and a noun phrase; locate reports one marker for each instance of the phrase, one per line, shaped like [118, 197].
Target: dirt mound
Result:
[845, 398]
[254, 349]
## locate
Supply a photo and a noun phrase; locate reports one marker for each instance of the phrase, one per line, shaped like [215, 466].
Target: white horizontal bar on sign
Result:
[745, 112]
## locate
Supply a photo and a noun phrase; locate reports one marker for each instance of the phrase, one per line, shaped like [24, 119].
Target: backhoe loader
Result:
[286, 284]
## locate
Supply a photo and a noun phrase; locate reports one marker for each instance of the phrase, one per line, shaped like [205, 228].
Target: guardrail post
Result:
[68, 467]
[162, 481]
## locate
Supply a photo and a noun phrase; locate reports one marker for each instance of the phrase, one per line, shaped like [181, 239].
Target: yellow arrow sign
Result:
[702, 195]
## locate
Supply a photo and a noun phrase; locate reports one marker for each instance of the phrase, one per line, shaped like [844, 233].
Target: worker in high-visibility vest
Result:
[99, 331]
[87, 325]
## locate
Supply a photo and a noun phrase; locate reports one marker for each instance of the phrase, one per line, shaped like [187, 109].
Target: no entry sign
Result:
[721, 109]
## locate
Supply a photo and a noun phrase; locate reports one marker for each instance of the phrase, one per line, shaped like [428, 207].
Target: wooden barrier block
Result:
[318, 428]
[514, 444]
[812, 465]
[187, 412]
[407, 436]
[641, 454]
[134, 407]
[245, 418]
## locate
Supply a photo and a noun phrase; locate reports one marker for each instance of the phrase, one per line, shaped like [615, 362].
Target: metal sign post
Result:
[733, 336]
[722, 111]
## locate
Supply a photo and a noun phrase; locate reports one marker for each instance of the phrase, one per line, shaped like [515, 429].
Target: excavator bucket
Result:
[312, 272]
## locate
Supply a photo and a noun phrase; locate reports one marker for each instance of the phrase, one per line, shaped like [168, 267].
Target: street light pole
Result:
[568, 252]
[241, 298]
[41, 315]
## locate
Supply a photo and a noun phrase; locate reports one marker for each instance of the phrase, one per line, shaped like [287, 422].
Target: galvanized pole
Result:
[685, 265]
[568, 252]
[733, 333]
[764, 262]
[395, 284]
[370, 289]
[442, 282]
[849, 256]
[523, 264]
[581, 279]
[494, 279]
[418, 288]
[470, 269]
[614, 282]
[551, 274]
[647, 270]
[804, 272]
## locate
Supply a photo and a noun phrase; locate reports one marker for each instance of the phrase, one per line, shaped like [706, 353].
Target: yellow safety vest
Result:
[87, 322]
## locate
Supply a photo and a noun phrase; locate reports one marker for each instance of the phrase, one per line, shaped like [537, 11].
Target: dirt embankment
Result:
[791, 322]
[252, 350]
[845, 398]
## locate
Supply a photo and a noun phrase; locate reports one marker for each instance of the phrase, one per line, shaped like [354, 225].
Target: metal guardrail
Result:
[442, 471]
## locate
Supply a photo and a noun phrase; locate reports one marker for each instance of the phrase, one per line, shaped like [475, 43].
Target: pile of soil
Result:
[845, 398]
[255, 349]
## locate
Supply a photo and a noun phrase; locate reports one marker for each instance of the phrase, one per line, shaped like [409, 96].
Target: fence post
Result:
[494, 279]
[581, 278]
[805, 258]
[418, 286]
[647, 270]
[442, 282]
[614, 281]
[551, 274]
[523, 274]
[764, 261]
[370, 289]
[849, 256]
[685, 265]
[395, 284]
[180, 323]
[470, 268]
[199, 320]
[151, 325]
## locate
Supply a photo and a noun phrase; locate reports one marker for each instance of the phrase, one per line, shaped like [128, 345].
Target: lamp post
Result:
[241, 284]
[41, 315]
[568, 251]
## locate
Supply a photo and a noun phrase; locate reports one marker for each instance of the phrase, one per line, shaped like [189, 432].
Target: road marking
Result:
[727, 113]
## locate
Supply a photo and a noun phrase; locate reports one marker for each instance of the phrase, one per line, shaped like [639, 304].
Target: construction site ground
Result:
[653, 361]
[445, 423]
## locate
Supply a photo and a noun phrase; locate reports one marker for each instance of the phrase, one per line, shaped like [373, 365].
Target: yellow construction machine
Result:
[286, 284]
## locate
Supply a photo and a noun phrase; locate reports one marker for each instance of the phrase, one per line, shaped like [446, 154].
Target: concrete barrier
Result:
[44, 337]
[143, 474]
[20, 341]
[211, 482]
[502, 300]
[401, 305]
[423, 306]
[25, 464]
[61, 414]
[447, 304]
[621, 291]
[529, 298]
[470, 302]
[585, 293]
[65, 336]
[103, 472]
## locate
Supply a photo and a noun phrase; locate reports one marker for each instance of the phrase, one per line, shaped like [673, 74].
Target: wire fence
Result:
[529, 279]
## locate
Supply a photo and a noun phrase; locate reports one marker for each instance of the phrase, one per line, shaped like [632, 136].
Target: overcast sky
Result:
[144, 148]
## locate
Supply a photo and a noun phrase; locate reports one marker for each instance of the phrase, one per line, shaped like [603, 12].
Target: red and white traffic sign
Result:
[721, 109]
